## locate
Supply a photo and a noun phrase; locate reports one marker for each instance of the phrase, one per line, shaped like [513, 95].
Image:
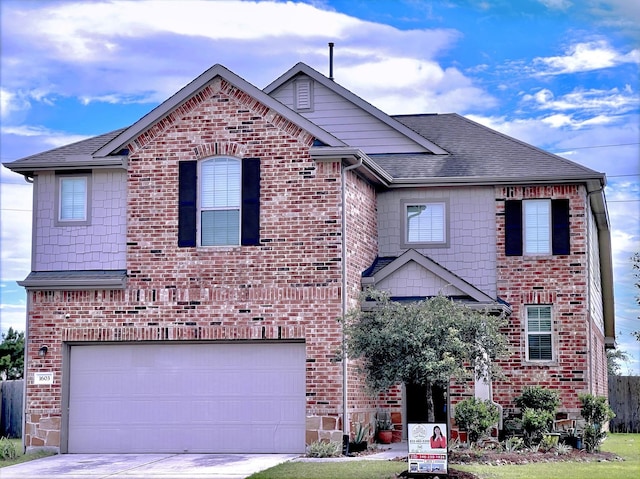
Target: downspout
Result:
[345, 413]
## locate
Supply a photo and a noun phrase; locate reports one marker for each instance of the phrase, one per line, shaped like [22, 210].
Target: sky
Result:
[562, 75]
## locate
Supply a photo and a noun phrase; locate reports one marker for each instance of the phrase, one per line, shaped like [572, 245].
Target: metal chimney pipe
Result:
[330, 60]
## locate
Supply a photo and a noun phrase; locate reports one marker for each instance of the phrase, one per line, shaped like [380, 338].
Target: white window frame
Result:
[537, 227]
[84, 218]
[538, 332]
[222, 200]
[439, 242]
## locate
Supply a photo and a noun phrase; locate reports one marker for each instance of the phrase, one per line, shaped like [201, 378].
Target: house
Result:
[188, 270]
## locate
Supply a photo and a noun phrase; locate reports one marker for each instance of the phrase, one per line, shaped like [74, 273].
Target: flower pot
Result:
[385, 437]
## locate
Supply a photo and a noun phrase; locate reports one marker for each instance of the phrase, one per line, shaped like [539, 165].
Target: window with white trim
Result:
[539, 333]
[537, 226]
[425, 223]
[73, 205]
[220, 201]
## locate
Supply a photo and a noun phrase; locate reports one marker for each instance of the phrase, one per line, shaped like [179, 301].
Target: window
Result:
[539, 333]
[219, 202]
[72, 198]
[538, 226]
[425, 224]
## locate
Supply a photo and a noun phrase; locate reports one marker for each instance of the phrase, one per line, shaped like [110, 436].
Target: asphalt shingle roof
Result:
[475, 151]
[68, 155]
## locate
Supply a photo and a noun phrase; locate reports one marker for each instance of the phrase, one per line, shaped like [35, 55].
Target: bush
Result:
[535, 423]
[476, 417]
[596, 412]
[324, 449]
[7, 449]
[536, 397]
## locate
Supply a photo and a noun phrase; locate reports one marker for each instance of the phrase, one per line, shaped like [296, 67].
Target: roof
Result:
[75, 155]
[477, 154]
[75, 280]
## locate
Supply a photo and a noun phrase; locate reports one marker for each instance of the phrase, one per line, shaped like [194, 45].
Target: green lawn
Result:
[22, 457]
[626, 446]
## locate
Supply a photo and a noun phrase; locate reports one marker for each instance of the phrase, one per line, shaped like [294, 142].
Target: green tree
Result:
[12, 355]
[614, 357]
[422, 343]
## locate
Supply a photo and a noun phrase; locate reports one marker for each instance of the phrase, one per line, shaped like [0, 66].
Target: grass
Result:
[21, 456]
[370, 469]
[626, 446]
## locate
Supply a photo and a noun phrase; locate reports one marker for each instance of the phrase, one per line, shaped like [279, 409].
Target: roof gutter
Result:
[353, 157]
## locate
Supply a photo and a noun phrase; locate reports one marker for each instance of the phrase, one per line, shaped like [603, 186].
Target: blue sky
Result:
[562, 75]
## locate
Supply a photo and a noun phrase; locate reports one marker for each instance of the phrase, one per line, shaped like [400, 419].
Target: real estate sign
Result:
[428, 448]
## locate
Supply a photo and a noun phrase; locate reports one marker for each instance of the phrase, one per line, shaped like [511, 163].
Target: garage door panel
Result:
[165, 397]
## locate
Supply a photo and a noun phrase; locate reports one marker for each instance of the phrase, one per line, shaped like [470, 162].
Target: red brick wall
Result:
[561, 281]
[288, 288]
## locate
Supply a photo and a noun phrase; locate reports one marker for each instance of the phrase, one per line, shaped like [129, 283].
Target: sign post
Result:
[428, 449]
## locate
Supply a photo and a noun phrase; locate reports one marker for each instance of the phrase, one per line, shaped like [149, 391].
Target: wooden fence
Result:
[11, 408]
[624, 399]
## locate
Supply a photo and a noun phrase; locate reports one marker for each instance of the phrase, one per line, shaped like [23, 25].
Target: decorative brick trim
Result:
[183, 333]
[539, 297]
[223, 148]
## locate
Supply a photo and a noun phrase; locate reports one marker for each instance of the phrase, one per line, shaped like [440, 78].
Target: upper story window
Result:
[73, 199]
[539, 333]
[425, 223]
[539, 226]
[219, 202]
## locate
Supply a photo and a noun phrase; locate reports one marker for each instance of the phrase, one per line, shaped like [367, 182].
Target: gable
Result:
[413, 280]
[198, 91]
[413, 275]
[345, 115]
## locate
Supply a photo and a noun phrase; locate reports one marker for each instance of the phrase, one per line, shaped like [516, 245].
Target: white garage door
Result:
[205, 398]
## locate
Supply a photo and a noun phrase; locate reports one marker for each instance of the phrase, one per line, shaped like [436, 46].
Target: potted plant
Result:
[384, 427]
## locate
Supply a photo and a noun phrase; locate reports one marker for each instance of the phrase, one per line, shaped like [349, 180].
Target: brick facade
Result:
[288, 288]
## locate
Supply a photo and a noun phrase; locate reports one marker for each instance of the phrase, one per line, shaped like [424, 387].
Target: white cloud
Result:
[123, 64]
[556, 4]
[583, 57]
[614, 100]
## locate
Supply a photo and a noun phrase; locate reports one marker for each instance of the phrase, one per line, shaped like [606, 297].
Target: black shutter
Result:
[250, 223]
[187, 206]
[560, 235]
[513, 228]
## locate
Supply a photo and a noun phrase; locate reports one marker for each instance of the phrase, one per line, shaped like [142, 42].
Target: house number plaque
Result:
[43, 378]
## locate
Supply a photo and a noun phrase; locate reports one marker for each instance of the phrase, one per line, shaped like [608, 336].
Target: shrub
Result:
[596, 412]
[535, 422]
[324, 449]
[513, 444]
[563, 449]
[536, 397]
[7, 449]
[476, 417]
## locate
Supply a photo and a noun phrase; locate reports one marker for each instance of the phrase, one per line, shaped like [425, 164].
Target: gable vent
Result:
[303, 94]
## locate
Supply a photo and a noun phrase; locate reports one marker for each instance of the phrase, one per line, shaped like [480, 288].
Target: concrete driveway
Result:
[155, 466]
